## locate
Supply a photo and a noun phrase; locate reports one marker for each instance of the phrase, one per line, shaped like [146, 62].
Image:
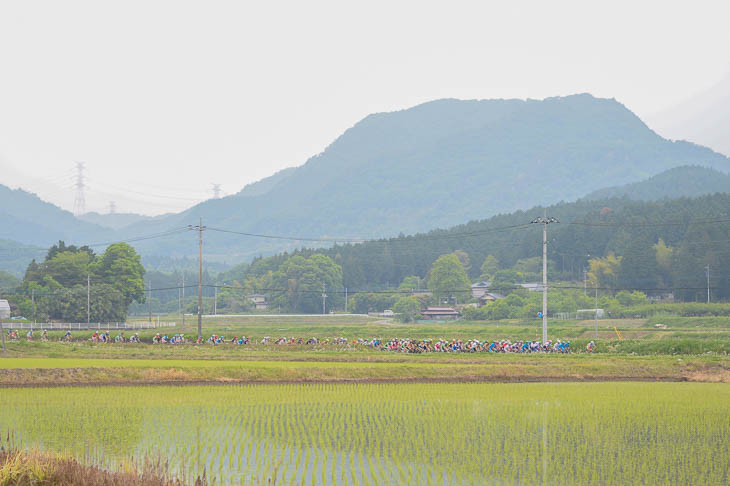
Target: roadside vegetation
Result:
[37, 468]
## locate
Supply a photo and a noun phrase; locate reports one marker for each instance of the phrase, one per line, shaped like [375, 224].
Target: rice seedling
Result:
[542, 433]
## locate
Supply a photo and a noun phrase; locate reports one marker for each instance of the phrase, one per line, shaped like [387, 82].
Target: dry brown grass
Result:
[34, 468]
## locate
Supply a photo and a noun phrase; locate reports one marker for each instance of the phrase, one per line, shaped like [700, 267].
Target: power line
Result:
[106, 243]
[675, 223]
[374, 240]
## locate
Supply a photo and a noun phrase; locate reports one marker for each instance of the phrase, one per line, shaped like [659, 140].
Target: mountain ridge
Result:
[434, 165]
[683, 181]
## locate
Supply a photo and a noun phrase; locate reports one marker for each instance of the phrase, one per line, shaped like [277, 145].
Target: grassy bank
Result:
[660, 348]
[33, 468]
[479, 368]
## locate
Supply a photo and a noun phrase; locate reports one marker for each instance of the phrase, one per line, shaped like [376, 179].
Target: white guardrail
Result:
[83, 326]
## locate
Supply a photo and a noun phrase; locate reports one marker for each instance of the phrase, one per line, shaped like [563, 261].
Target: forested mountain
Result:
[436, 165]
[266, 184]
[28, 219]
[685, 181]
[15, 256]
[662, 245]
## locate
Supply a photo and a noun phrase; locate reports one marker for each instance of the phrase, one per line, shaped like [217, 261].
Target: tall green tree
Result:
[489, 267]
[448, 279]
[59, 283]
[638, 269]
[604, 270]
[121, 267]
[299, 283]
[407, 308]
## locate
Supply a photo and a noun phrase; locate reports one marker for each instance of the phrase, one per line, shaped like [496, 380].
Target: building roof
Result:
[534, 286]
[442, 311]
[492, 295]
[481, 285]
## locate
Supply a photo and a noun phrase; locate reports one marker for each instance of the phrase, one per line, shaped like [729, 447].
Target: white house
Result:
[4, 309]
[259, 301]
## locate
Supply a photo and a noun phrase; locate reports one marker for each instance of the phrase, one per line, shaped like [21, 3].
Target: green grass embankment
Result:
[480, 368]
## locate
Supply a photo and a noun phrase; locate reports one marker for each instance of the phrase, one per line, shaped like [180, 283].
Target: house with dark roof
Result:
[489, 297]
[440, 314]
[480, 288]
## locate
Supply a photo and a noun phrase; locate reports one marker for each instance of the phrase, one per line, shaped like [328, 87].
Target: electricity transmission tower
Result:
[112, 207]
[216, 191]
[79, 199]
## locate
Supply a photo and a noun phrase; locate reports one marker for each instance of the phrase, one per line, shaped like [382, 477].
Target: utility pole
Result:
[149, 299]
[345, 300]
[88, 298]
[708, 283]
[324, 299]
[215, 301]
[32, 299]
[585, 281]
[2, 331]
[200, 228]
[183, 299]
[544, 221]
[595, 314]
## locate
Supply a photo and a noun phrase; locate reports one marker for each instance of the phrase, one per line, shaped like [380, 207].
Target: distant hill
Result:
[113, 220]
[28, 219]
[266, 184]
[435, 165]
[15, 256]
[439, 164]
[686, 181]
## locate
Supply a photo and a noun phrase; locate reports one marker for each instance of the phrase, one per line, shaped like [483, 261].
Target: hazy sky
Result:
[160, 99]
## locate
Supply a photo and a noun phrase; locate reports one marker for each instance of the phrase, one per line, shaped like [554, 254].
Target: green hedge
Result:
[683, 309]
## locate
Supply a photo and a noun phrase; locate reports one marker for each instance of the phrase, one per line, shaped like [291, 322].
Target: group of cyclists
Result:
[165, 339]
[468, 346]
[413, 345]
[399, 345]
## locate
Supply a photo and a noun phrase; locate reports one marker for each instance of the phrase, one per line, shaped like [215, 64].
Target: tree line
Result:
[653, 247]
[73, 284]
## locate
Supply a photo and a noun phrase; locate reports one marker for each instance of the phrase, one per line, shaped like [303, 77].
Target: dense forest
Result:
[654, 247]
[73, 284]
